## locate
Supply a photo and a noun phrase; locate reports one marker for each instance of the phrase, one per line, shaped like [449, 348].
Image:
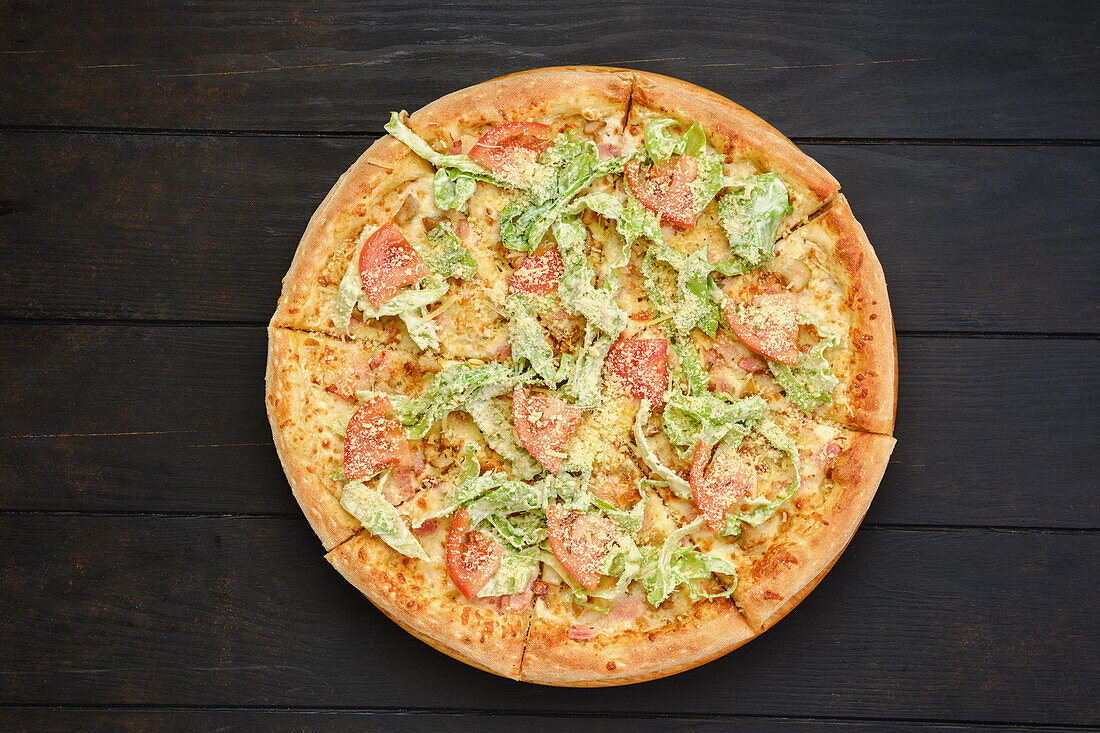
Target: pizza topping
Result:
[716, 487]
[538, 274]
[811, 381]
[472, 557]
[528, 339]
[380, 517]
[579, 542]
[750, 212]
[544, 425]
[675, 564]
[752, 365]
[510, 150]
[768, 325]
[445, 255]
[374, 440]
[694, 307]
[388, 263]
[641, 365]
[666, 188]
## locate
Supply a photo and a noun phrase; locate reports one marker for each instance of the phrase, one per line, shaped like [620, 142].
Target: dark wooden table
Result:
[158, 163]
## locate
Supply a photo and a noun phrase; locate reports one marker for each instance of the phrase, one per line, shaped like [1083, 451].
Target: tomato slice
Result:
[538, 275]
[667, 188]
[388, 263]
[509, 149]
[374, 440]
[544, 425]
[472, 557]
[579, 541]
[715, 488]
[641, 365]
[768, 325]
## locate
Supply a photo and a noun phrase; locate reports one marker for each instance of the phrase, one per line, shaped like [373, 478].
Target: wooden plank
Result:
[171, 419]
[199, 228]
[186, 721]
[952, 626]
[920, 69]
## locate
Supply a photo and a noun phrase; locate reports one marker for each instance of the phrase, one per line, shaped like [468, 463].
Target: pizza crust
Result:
[416, 595]
[711, 629]
[786, 567]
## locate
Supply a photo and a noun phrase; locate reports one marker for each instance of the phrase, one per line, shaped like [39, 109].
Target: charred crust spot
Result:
[770, 595]
[611, 666]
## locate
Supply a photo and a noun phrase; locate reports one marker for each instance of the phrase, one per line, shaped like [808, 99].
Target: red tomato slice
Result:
[641, 365]
[538, 275]
[718, 486]
[388, 263]
[579, 541]
[768, 325]
[544, 425]
[508, 149]
[374, 440]
[666, 188]
[472, 557]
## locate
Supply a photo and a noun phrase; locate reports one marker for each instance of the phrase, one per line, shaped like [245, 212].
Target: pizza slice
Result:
[412, 230]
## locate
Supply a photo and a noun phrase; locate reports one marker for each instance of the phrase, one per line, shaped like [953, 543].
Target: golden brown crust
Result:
[872, 395]
[286, 398]
[421, 599]
[788, 567]
[713, 628]
[731, 132]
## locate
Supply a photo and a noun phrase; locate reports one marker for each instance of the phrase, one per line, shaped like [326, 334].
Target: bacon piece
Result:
[752, 365]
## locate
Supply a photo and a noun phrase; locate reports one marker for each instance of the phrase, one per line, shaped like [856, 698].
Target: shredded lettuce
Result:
[811, 382]
[666, 568]
[750, 213]
[596, 304]
[445, 255]
[379, 517]
[572, 165]
[763, 510]
[661, 144]
[631, 218]
[452, 188]
[708, 417]
[459, 163]
[694, 307]
[516, 573]
[347, 296]
[583, 382]
[521, 530]
[409, 305]
[494, 419]
[453, 389]
[645, 452]
[528, 339]
[506, 497]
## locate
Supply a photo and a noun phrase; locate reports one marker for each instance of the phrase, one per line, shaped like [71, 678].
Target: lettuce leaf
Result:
[632, 220]
[521, 530]
[596, 304]
[459, 163]
[659, 143]
[645, 452]
[764, 509]
[494, 419]
[708, 417]
[666, 568]
[694, 307]
[347, 297]
[452, 188]
[445, 255]
[528, 339]
[452, 389]
[583, 383]
[811, 382]
[379, 517]
[517, 572]
[750, 213]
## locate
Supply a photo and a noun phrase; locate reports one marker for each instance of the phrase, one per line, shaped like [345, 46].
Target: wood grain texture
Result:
[186, 721]
[231, 611]
[128, 418]
[922, 69]
[197, 228]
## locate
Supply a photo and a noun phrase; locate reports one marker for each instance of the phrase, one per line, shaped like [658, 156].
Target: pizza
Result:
[583, 376]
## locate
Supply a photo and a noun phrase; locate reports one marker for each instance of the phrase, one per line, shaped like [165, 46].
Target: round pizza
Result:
[583, 376]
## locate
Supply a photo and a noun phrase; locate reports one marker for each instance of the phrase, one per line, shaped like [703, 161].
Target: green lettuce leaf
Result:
[764, 509]
[750, 212]
[379, 517]
[694, 307]
[583, 383]
[528, 339]
[517, 572]
[578, 294]
[494, 419]
[418, 145]
[445, 255]
[452, 389]
[660, 143]
[665, 569]
[521, 530]
[452, 188]
[347, 297]
[811, 382]
[645, 452]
